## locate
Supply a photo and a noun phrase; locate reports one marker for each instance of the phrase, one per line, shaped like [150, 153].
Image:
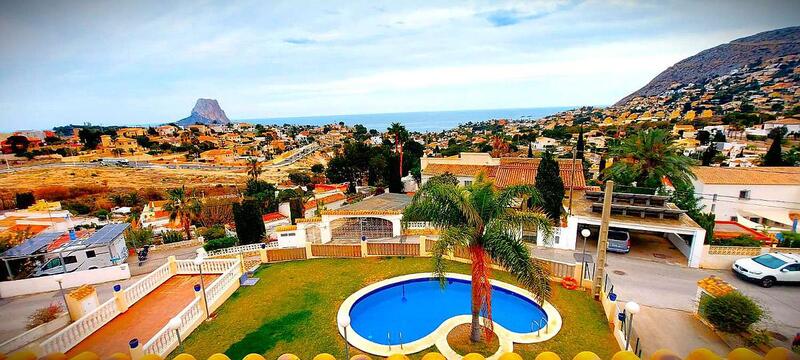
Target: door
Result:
[790, 273]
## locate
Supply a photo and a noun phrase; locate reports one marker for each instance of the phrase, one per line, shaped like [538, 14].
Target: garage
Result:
[647, 226]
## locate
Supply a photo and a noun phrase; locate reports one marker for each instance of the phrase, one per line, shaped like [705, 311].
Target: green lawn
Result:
[293, 309]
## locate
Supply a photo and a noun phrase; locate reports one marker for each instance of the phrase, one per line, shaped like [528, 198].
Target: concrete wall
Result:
[721, 262]
[73, 279]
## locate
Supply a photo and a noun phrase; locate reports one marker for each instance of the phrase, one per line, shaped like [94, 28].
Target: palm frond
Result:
[512, 254]
[449, 239]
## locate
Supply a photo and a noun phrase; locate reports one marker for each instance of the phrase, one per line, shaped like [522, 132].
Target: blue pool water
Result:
[415, 308]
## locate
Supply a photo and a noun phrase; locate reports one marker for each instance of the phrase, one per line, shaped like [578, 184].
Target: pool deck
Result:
[144, 319]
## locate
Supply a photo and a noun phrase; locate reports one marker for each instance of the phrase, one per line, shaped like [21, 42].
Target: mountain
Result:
[205, 111]
[721, 59]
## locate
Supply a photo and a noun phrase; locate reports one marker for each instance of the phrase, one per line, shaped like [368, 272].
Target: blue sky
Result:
[116, 62]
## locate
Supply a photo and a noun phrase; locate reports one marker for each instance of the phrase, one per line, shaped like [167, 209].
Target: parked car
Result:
[619, 241]
[769, 269]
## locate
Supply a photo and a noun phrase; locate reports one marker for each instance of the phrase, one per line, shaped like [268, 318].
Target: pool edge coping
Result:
[553, 326]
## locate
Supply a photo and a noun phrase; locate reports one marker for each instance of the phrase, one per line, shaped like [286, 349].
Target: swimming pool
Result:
[414, 310]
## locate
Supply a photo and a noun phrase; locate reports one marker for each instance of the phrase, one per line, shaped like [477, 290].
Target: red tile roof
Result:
[326, 200]
[459, 170]
[274, 216]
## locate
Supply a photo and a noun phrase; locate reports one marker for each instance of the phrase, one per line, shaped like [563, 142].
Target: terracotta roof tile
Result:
[748, 176]
[459, 170]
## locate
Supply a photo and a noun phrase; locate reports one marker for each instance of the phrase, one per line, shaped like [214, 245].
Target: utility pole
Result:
[602, 242]
[572, 179]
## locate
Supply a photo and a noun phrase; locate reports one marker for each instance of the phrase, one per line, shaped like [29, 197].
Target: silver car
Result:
[619, 241]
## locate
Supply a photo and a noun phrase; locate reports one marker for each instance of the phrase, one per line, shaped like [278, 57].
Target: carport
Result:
[658, 230]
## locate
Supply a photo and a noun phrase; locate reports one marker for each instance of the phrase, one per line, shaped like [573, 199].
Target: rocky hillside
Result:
[206, 111]
[722, 59]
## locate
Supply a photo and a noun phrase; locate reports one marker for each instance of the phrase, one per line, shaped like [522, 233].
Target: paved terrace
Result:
[144, 319]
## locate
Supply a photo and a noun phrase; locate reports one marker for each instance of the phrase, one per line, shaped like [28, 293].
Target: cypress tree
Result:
[773, 156]
[530, 150]
[601, 167]
[550, 186]
[249, 225]
[580, 145]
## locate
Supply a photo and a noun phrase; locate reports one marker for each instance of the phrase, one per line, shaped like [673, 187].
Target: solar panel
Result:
[33, 244]
[106, 234]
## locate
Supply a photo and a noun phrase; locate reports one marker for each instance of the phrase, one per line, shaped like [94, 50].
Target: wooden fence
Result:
[393, 249]
[336, 250]
[286, 254]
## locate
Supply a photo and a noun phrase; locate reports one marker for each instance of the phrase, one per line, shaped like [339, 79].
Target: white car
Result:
[767, 269]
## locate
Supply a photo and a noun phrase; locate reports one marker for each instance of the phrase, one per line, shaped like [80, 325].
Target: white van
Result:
[106, 247]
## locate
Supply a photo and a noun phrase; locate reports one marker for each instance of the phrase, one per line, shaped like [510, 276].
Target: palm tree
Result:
[479, 217]
[253, 168]
[134, 199]
[647, 157]
[182, 206]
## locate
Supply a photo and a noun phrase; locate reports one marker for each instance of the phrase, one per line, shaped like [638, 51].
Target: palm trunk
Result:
[187, 228]
[481, 293]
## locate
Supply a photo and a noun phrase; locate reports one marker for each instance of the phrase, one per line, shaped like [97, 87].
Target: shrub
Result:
[221, 243]
[732, 313]
[136, 238]
[43, 315]
[757, 338]
[741, 240]
[790, 239]
[212, 233]
[171, 237]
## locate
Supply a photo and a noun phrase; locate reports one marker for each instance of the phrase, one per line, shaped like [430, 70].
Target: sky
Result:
[137, 62]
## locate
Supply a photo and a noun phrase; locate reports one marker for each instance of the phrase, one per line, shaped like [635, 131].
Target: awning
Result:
[777, 215]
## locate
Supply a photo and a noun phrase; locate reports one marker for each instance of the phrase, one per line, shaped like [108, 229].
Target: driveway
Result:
[670, 290]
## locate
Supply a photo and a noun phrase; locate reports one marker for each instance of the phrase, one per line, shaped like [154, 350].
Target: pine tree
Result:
[550, 186]
[773, 156]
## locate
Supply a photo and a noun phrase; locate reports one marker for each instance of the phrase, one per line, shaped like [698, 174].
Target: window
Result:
[70, 259]
[467, 182]
[769, 261]
[734, 218]
[793, 267]
[90, 254]
[744, 194]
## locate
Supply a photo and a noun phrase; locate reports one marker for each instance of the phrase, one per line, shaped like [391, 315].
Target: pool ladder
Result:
[539, 324]
[389, 338]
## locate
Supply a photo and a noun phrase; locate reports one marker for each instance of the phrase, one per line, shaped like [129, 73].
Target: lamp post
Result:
[344, 322]
[60, 279]
[630, 308]
[175, 325]
[585, 233]
[198, 261]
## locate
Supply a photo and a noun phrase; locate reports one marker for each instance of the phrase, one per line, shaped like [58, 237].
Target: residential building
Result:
[760, 198]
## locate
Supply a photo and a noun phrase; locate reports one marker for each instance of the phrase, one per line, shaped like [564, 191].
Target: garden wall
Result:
[73, 279]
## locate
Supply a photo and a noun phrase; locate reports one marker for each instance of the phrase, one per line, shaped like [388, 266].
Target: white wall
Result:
[73, 279]
[728, 202]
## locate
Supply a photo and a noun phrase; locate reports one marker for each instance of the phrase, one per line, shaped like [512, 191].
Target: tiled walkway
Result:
[144, 319]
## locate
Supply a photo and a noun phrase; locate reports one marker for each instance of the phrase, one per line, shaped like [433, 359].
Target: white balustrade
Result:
[220, 285]
[165, 340]
[419, 225]
[74, 333]
[147, 284]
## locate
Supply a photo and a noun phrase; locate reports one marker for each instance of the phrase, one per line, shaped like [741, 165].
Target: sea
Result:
[422, 121]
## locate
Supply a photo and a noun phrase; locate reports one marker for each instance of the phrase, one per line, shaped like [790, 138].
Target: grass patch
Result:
[293, 310]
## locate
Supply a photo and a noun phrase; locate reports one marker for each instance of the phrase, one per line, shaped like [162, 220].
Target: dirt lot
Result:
[117, 178]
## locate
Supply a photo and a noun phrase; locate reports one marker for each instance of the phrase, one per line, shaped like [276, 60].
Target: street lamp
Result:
[630, 308]
[60, 279]
[198, 261]
[344, 322]
[585, 233]
[175, 325]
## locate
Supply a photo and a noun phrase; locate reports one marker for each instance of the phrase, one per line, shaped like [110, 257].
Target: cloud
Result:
[299, 41]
